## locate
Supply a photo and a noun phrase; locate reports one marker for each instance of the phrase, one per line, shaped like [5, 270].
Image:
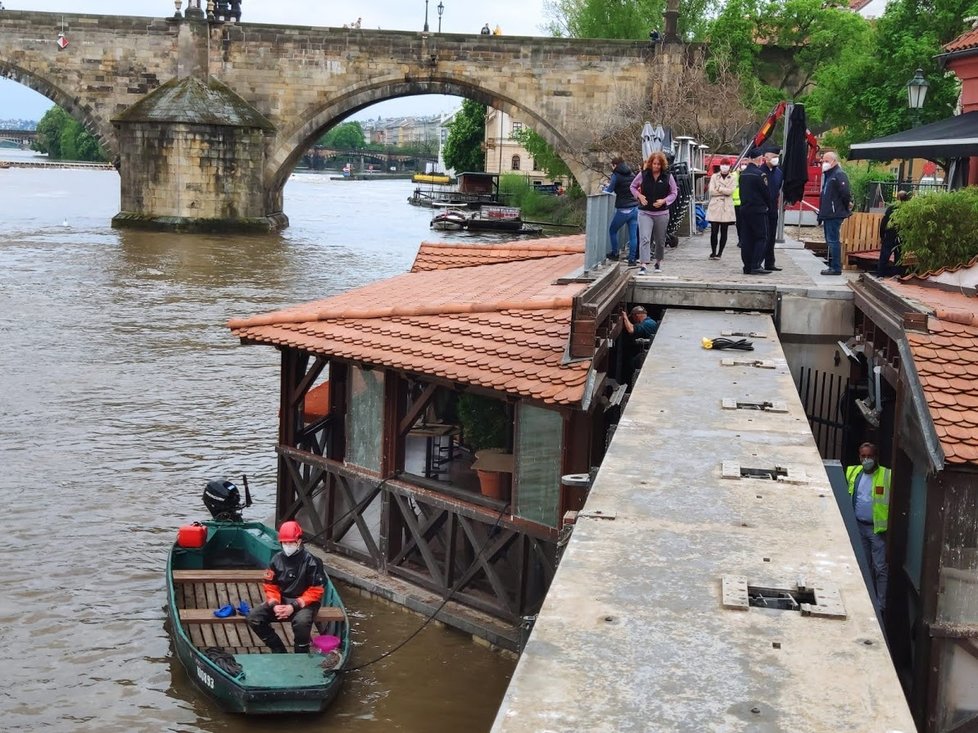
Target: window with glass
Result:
[538, 452]
[517, 128]
[365, 418]
[516, 163]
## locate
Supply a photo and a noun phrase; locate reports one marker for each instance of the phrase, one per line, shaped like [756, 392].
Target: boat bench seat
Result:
[238, 575]
[206, 616]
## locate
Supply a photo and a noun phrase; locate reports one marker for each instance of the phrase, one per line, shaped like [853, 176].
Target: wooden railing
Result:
[860, 233]
[482, 557]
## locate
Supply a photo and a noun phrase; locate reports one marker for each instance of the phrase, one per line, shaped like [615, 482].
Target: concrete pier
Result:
[647, 625]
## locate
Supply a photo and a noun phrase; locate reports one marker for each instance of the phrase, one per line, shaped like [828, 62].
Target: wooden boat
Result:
[449, 220]
[222, 656]
[496, 219]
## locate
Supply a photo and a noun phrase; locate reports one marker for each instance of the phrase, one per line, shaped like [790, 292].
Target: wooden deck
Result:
[206, 590]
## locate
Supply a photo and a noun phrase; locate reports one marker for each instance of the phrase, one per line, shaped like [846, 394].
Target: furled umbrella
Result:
[648, 141]
[795, 159]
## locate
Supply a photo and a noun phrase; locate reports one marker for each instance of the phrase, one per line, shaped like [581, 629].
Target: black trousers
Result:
[753, 240]
[772, 232]
[262, 617]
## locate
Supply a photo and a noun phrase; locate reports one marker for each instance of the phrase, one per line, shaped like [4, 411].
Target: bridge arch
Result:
[291, 143]
[86, 114]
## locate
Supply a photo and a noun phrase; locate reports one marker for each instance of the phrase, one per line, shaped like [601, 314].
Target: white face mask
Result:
[825, 167]
[775, 161]
[290, 548]
[724, 168]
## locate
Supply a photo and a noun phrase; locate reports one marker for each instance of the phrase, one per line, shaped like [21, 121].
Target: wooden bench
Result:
[237, 575]
[206, 616]
[859, 233]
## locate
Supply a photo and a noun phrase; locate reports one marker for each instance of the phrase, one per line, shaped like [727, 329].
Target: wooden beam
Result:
[415, 410]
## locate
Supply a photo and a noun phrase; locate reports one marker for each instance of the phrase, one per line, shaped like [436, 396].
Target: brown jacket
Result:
[721, 208]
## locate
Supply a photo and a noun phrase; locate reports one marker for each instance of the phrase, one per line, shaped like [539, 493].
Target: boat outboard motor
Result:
[223, 500]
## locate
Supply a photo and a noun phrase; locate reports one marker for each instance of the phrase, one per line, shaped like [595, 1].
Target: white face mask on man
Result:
[825, 166]
[774, 161]
[290, 548]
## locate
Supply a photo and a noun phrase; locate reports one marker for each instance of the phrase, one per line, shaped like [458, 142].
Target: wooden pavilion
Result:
[376, 459]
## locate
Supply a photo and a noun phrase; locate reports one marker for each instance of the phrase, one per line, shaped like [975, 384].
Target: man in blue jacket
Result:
[834, 207]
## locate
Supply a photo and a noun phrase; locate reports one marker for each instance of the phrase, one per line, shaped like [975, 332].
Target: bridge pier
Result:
[191, 158]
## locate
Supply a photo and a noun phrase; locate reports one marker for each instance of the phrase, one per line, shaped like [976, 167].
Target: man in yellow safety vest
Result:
[869, 488]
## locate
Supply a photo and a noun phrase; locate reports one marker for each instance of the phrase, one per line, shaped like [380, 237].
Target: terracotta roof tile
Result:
[946, 359]
[968, 39]
[500, 326]
[447, 255]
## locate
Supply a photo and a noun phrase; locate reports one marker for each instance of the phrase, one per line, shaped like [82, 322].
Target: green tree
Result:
[624, 18]
[63, 138]
[865, 96]
[543, 155]
[466, 135]
[345, 136]
[779, 47]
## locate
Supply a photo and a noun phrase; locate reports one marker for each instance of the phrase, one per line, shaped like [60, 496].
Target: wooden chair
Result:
[860, 233]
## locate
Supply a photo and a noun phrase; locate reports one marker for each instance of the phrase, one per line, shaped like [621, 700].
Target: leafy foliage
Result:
[861, 175]
[466, 134]
[865, 91]
[345, 136]
[567, 209]
[940, 229]
[484, 421]
[543, 155]
[63, 138]
[626, 19]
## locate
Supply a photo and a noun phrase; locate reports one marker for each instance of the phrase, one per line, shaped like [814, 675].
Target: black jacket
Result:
[654, 189]
[622, 178]
[755, 193]
[836, 194]
[300, 576]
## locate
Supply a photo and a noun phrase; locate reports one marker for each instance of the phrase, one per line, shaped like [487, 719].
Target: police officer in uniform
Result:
[755, 203]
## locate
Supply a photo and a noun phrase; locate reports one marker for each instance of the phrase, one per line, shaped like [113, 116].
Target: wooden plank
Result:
[206, 617]
[239, 575]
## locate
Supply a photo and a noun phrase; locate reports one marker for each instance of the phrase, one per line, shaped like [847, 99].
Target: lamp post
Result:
[441, 9]
[916, 94]
[425, 16]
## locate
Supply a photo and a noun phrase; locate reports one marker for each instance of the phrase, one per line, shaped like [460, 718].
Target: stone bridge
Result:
[206, 120]
[22, 137]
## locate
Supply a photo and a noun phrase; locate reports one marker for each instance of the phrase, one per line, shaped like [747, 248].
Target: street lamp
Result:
[916, 94]
[425, 16]
[441, 9]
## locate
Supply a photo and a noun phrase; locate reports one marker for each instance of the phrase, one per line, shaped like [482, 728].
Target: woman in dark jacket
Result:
[626, 210]
[655, 189]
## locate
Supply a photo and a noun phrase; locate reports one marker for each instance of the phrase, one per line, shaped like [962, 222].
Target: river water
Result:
[121, 393]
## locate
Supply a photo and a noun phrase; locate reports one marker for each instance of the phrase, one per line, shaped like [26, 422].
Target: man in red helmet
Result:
[294, 584]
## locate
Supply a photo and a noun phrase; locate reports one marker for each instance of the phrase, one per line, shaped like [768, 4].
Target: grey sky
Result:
[515, 17]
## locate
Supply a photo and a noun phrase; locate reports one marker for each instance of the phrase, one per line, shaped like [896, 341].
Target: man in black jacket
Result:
[294, 585]
[833, 208]
[890, 240]
[755, 203]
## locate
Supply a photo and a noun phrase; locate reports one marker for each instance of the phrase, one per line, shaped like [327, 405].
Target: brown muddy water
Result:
[121, 393]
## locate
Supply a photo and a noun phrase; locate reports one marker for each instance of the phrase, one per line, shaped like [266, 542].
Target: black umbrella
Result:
[795, 162]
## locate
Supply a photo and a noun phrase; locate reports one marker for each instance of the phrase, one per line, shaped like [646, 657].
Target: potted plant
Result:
[485, 426]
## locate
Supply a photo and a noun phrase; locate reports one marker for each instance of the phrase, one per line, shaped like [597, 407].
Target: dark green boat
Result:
[222, 656]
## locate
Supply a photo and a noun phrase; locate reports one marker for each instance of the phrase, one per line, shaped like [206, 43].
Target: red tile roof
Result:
[946, 359]
[502, 326]
[968, 39]
[446, 255]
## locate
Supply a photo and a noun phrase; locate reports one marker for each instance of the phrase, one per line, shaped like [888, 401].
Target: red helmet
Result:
[289, 532]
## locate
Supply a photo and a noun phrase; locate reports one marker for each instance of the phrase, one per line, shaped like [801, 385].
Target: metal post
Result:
[600, 208]
[425, 16]
[779, 235]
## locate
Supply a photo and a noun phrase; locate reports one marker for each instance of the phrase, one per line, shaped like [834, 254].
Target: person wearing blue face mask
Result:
[294, 586]
[869, 488]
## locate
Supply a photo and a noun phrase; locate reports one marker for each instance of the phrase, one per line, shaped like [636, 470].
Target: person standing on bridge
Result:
[485, 30]
[869, 488]
[755, 202]
[655, 189]
[720, 211]
[834, 206]
[775, 179]
[626, 210]
[294, 585]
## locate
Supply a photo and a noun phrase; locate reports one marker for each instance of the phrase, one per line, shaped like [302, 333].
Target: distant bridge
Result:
[23, 138]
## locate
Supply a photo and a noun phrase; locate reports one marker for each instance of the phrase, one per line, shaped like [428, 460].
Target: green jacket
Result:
[881, 494]
[736, 192]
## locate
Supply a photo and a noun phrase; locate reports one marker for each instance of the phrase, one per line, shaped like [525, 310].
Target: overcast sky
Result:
[514, 17]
